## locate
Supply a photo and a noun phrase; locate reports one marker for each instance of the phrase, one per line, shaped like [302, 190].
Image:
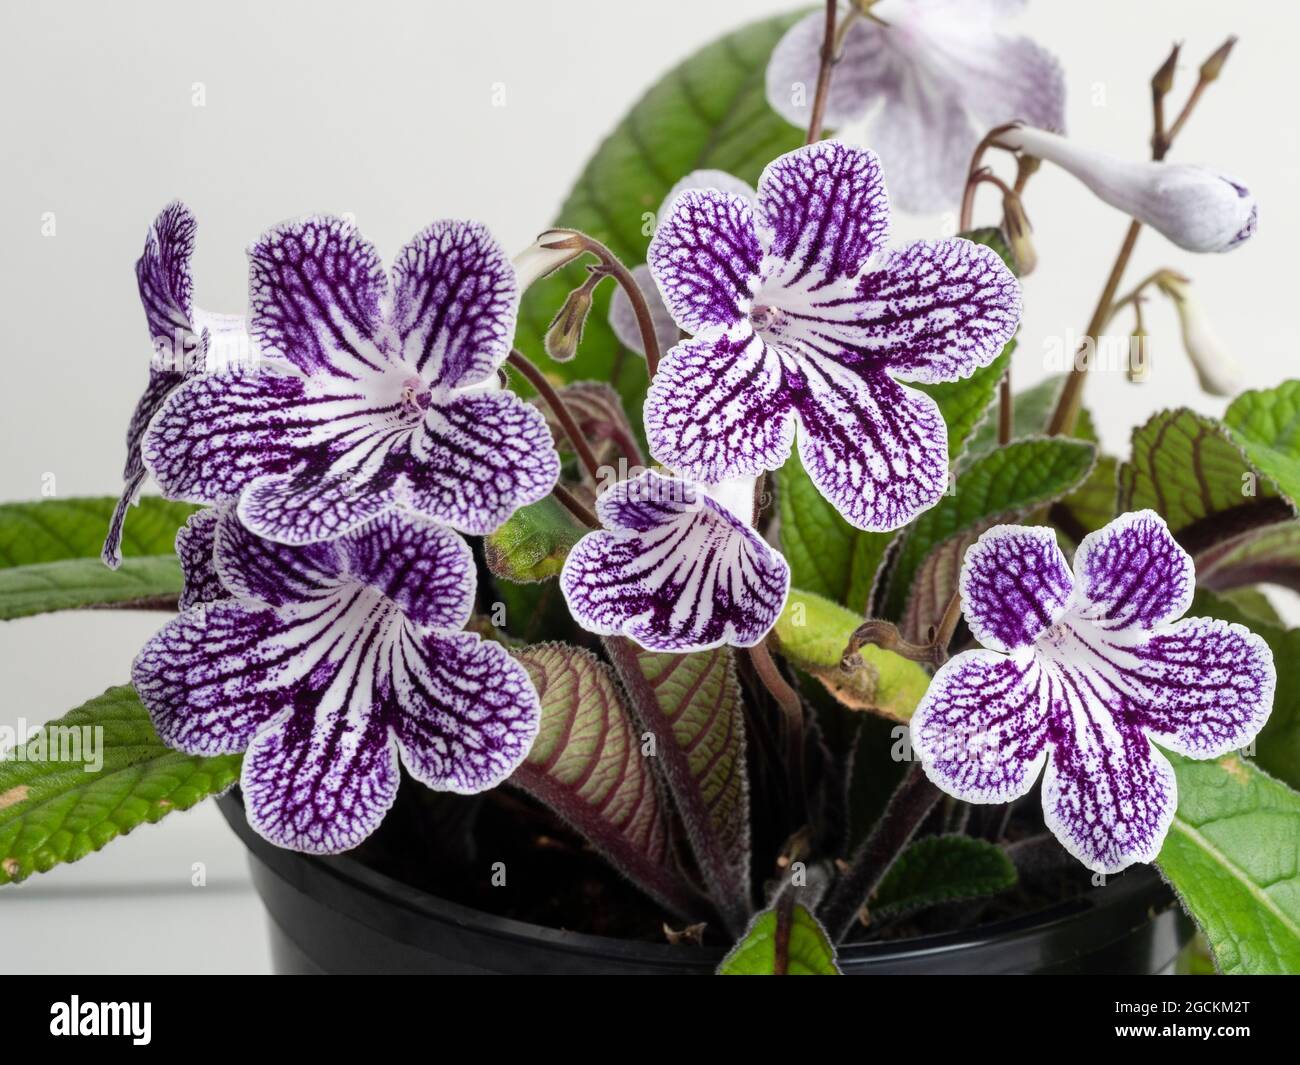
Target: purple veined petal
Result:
[478, 457]
[217, 673]
[705, 259]
[1201, 687]
[865, 71]
[719, 408]
[1133, 574]
[1108, 795]
[266, 572]
[719, 180]
[195, 545]
[677, 572]
[876, 450]
[163, 276]
[455, 301]
[925, 141]
[622, 319]
[468, 713]
[314, 505]
[424, 568]
[315, 293]
[1015, 585]
[321, 784]
[981, 731]
[822, 214]
[939, 310]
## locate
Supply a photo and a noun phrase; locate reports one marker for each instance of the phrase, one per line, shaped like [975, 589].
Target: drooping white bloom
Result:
[1197, 208]
[1216, 367]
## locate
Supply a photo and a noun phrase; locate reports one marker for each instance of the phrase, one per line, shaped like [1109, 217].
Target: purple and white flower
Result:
[330, 663]
[1081, 672]
[1197, 208]
[801, 316]
[186, 340]
[946, 72]
[371, 396]
[675, 568]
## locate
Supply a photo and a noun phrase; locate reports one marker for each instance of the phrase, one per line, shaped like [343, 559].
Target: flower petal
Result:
[162, 274]
[427, 570]
[822, 215]
[939, 310]
[981, 729]
[925, 141]
[195, 543]
[622, 318]
[469, 712]
[708, 179]
[479, 457]
[276, 574]
[876, 450]
[455, 301]
[865, 69]
[1108, 796]
[718, 408]
[1013, 79]
[1015, 585]
[321, 783]
[1133, 574]
[1204, 687]
[315, 288]
[705, 258]
[214, 675]
[311, 507]
[678, 572]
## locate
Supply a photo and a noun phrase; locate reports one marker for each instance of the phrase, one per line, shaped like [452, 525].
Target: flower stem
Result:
[560, 409]
[613, 266]
[978, 173]
[1071, 399]
[910, 804]
[1006, 408]
[574, 506]
[823, 74]
[792, 711]
[885, 634]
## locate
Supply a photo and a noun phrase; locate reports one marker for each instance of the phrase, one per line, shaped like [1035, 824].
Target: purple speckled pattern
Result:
[1098, 668]
[195, 546]
[805, 324]
[371, 397]
[329, 664]
[673, 570]
[938, 73]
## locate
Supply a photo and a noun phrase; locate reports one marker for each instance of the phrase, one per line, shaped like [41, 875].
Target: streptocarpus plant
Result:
[752, 721]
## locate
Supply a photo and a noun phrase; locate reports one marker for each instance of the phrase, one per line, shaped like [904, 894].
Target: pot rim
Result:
[1139, 893]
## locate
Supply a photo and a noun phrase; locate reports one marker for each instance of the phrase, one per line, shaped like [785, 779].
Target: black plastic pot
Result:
[334, 915]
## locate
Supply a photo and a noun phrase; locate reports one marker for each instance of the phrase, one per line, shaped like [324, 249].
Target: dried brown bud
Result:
[1163, 79]
[1212, 67]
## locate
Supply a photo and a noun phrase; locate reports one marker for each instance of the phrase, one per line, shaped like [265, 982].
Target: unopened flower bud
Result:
[1196, 208]
[1163, 80]
[549, 252]
[565, 333]
[1216, 369]
[1015, 224]
[1213, 66]
[1139, 361]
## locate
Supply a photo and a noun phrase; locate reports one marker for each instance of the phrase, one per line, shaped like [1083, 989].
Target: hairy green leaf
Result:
[786, 940]
[55, 810]
[813, 632]
[691, 704]
[1270, 555]
[85, 582]
[57, 529]
[1233, 856]
[533, 543]
[1004, 484]
[1267, 424]
[709, 112]
[941, 869]
[587, 765]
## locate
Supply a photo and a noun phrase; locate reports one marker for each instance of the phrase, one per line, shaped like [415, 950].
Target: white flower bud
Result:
[550, 251]
[1196, 208]
[1216, 368]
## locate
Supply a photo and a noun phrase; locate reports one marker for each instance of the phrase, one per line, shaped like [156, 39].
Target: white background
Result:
[384, 109]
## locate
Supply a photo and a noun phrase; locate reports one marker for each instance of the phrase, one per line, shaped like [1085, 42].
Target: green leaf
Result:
[1031, 410]
[587, 765]
[1233, 856]
[1277, 747]
[786, 940]
[1092, 504]
[692, 706]
[966, 404]
[813, 633]
[54, 811]
[84, 582]
[533, 543]
[1270, 555]
[941, 869]
[711, 111]
[1004, 484]
[1189, 469]
[1267, 424]
[57, 529]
